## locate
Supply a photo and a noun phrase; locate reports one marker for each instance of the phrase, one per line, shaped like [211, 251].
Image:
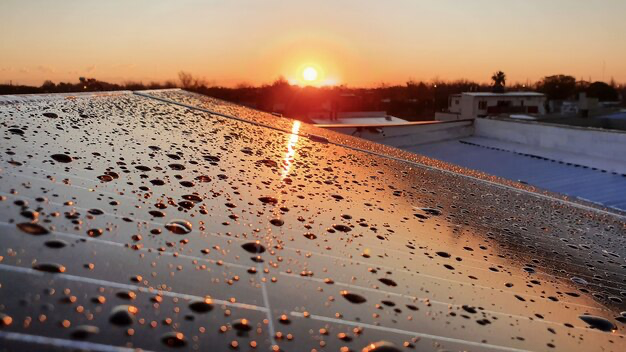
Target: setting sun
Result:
[309, 74]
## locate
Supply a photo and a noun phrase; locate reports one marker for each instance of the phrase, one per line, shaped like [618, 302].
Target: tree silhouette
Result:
[499, 80]
[558, 87]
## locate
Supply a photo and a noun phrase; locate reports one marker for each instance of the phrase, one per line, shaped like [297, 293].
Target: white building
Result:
[480, 104]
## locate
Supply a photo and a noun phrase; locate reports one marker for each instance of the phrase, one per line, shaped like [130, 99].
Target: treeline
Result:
[83, 85]
[415, 100]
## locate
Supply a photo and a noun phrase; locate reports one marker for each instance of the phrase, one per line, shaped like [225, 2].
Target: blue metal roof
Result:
[598, 186]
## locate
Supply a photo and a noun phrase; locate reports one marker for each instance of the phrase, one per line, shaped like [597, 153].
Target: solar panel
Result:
[166, 220]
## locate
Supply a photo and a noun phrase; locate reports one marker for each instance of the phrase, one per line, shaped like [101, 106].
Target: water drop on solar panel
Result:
[174, 339]
[49, 267]
[203, 306]
[95, 232]
[33, 229]
[61, 158]
[380, 346]
[253, 247]
[599, 323]
[123, 315]
[353, 297]
[179, 227]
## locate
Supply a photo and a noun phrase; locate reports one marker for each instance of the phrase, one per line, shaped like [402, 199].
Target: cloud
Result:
[91, 68]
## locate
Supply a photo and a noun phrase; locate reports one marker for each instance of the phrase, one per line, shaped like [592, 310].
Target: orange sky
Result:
[358, 43]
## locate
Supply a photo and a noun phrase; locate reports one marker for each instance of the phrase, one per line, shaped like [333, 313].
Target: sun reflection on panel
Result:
[291, 149]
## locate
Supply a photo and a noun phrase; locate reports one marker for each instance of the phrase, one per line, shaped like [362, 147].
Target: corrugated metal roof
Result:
[598, 186]
[164, 220]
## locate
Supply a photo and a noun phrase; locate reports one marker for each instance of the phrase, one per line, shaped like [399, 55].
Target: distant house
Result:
[480, 104]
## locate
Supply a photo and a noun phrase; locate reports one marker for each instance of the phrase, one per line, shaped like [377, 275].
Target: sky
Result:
[356, 43]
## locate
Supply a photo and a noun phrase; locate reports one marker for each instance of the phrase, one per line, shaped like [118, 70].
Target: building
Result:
[587, 163]
[353, 118]
[471, 105]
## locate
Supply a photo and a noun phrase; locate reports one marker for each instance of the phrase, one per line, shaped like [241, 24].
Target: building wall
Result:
[468, 106]
[408, 135]
[584, 141]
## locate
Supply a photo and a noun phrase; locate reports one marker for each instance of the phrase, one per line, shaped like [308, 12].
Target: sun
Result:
[309, 74]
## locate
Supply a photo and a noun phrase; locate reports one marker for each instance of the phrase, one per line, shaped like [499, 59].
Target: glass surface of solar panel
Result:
[166, 220]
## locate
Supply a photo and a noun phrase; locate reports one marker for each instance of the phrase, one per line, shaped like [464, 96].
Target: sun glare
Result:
[309, 74]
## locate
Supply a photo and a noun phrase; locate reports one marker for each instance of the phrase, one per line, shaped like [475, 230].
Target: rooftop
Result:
[506, 94]
[164, 219]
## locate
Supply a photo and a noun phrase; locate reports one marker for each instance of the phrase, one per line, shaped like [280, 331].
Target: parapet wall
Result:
[577, 140]
[407, 135]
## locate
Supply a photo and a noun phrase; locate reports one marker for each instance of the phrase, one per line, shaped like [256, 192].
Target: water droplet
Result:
[353, 297]
[469, 309]
[242, 325]
[203, 306]
[284, 319]
[203, 179]
[5, 320]
[56, 243]
[61, 158]
[49, 267]
[193, 197]
[94, 232]
[342, 228]
[187, 183]
[50, 115]
[179, 227]
[388, 282]
[30, 214]
[268, 200]
[431, 211]
[443, 254]
[277, 222]
[579, 280]
[310, 236]
[599, 323]
[95, 212]
[253, 247]
[123, 315]
[84, 331]
[33, 229]
[156, 213]
[174, 339]
[380, 346]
